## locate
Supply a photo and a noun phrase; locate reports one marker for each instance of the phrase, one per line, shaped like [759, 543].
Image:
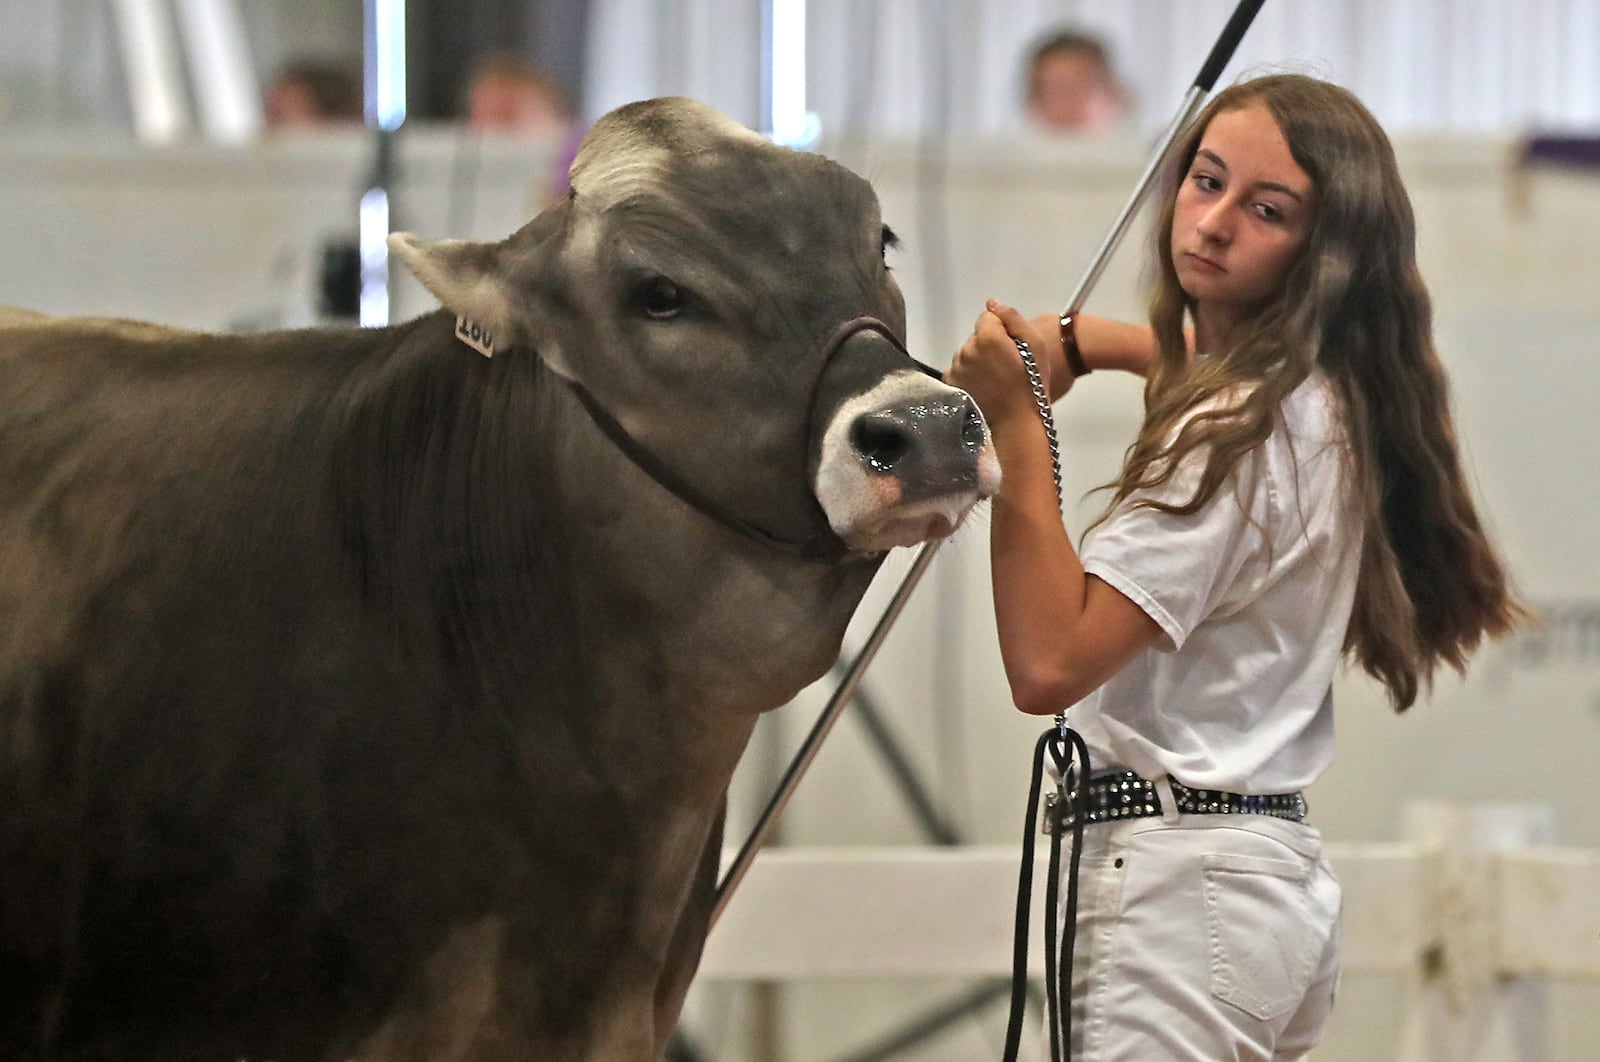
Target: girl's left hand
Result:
[989, 368]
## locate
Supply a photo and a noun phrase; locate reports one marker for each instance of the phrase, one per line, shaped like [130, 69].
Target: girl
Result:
[1294, 495]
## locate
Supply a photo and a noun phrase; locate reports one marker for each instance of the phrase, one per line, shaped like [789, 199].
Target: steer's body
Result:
[359, 697]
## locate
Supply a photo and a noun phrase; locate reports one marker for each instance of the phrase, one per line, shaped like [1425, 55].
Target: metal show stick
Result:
[1221, 52]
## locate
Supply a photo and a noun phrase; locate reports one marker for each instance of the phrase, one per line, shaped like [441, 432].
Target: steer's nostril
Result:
[881, 440]
[973, 433]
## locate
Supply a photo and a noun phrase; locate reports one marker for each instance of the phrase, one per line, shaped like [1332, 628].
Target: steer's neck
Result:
[715, 622]
[514, 537]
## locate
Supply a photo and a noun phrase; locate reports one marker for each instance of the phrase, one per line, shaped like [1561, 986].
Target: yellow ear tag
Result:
[475, 336]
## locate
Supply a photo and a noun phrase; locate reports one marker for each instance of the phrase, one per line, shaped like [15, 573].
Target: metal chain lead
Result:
[1031, 365]
[1042, 400]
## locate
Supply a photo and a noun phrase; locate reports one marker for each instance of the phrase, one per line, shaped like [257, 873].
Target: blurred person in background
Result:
[1072, 85]
[509, 94]
[311, 92]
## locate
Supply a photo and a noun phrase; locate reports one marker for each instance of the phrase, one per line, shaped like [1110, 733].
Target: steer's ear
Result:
[462, 274]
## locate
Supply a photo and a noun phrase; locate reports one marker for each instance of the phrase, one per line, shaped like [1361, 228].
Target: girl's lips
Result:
[1203, 262]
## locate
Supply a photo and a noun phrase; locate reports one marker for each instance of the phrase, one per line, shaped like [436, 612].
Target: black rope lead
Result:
[1019, 938]
[1076, 785]
[1071, 792]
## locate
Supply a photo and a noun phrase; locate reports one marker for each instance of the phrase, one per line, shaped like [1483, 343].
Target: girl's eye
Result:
[1268, 212]
[1206, 182]
[660, 298]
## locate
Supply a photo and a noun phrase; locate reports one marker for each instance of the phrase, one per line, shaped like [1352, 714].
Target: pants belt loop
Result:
[1169, 803]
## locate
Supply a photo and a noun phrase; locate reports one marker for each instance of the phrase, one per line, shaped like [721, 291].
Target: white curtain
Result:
[60, 64]
[707, 49]
[899, 67]
[904, 66]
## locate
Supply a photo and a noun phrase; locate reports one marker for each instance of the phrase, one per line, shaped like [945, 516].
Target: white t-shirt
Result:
[1253, 594]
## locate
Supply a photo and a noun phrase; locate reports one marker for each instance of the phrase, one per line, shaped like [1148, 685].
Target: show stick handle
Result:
[1223, 50]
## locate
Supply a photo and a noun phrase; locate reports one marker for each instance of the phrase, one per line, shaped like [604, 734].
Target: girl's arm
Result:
[1104, 343]
[1062, 632]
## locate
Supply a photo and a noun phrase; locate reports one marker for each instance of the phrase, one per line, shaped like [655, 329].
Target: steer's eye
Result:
[887, 241]
[660, 298]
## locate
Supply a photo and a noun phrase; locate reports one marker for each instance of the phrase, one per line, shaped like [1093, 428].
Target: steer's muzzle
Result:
[904, 462]
[931, 444]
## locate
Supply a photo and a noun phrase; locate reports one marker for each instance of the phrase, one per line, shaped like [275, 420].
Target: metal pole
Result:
[155, 82]
[784, 116]
[385, 76]
[220, 69]
[813, 742]
[1221, 53]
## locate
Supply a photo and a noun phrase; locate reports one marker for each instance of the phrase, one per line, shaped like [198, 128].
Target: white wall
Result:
[211, 237]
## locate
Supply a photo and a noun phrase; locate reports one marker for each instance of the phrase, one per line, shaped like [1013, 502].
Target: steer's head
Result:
[695, 283]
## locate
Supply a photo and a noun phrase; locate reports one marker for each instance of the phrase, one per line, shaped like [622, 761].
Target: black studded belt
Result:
[1124, 795]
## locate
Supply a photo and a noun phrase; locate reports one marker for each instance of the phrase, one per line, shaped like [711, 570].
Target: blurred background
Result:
[204, 163]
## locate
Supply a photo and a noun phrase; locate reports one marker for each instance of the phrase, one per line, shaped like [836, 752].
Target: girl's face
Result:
[1241, 217]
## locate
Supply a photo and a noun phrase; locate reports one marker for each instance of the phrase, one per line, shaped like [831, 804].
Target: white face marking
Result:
[628, 169]
[864, 506]
[618, 160]
[721, 124]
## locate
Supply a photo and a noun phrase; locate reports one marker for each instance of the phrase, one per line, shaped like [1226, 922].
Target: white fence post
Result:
[1462, 1007]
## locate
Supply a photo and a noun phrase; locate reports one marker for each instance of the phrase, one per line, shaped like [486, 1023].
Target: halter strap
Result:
[825, 545]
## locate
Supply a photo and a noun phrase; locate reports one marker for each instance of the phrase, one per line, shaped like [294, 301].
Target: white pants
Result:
[1206, 939]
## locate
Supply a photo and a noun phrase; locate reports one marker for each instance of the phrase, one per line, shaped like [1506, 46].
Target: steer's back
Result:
[82, 401]
[175, 628]
[136, 459]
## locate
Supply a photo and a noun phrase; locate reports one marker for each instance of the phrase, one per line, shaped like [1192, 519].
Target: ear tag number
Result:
[475, 336]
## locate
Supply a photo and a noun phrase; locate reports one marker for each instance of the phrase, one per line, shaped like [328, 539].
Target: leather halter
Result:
[824, 545]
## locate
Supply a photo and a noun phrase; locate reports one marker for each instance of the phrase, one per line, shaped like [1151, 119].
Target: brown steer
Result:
[363, 696]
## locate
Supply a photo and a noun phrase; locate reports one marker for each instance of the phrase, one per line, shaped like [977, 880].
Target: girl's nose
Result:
[1214, 224]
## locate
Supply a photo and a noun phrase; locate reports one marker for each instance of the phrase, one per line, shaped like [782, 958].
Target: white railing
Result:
[1471, 915]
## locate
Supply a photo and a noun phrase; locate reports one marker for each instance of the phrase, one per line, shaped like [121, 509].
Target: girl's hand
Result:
[989, 368]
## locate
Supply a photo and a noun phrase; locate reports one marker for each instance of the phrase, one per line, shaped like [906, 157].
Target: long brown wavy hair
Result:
[1353, 304]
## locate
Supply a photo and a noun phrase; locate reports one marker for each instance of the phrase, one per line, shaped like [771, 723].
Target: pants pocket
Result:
[1264, 942]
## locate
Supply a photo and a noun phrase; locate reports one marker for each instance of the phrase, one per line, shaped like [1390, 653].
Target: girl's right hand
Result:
[989, 368]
